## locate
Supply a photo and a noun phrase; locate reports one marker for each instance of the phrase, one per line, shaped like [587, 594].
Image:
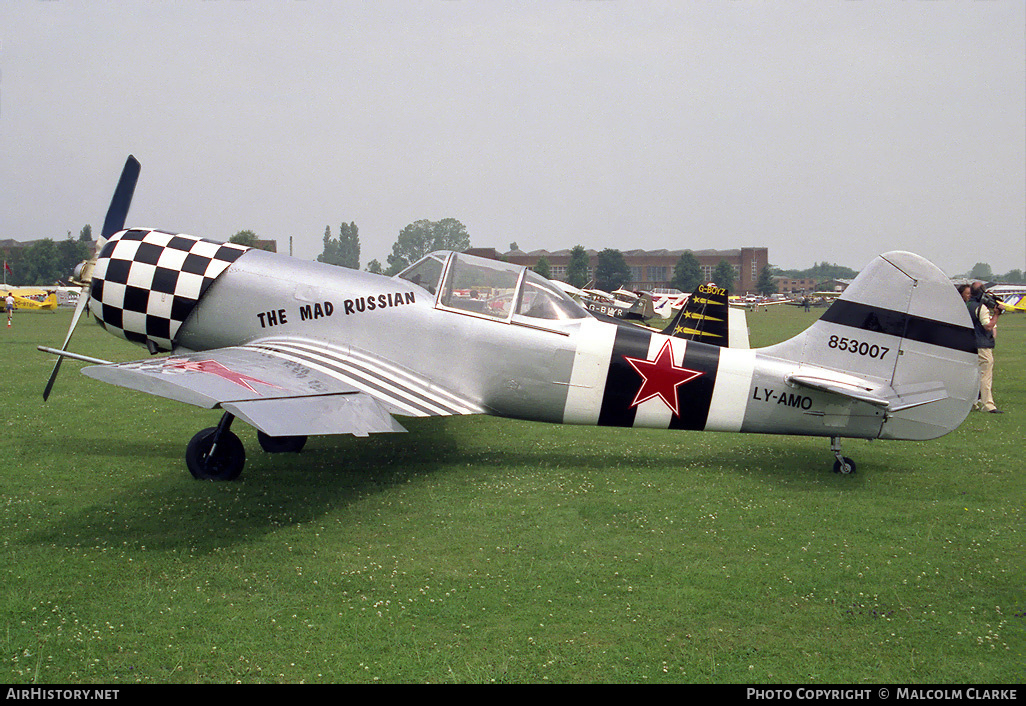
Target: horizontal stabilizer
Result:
[885, 397]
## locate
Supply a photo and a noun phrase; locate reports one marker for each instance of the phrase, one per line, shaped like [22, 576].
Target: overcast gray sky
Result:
[825, 130]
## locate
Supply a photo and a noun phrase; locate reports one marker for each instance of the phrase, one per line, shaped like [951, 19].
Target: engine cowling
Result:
[147, 282]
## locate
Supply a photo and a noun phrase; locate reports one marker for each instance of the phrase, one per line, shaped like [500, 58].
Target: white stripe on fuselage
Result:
[730, 395]
[588, 377]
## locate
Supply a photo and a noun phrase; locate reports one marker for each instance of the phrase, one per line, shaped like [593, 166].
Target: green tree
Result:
[766, 286]
[39, 263]
[69, 253]
[86, 234]
[821, 271]
[244, 237]
[422, 237]
[723, 275]
[1013, 277]
[374, 267]
[343, 250]
[981, 271]
[687, 273]
[611, 270]
[543, 268]
[349, 240]
[577, 270]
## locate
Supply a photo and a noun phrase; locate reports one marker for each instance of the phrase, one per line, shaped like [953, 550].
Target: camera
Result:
[991, 301]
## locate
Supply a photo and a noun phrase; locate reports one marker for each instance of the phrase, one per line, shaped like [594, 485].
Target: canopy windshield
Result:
[426, 272]
[481, 286]
[540, 299]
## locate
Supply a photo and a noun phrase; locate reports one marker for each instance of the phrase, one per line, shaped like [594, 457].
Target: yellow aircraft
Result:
[30, 298]
[1013, 302]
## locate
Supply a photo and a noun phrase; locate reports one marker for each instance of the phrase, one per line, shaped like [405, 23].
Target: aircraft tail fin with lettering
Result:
[900, 338]
[707, 317]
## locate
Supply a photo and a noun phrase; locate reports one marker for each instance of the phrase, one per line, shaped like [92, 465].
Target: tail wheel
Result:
[207, 461]
[281, 444]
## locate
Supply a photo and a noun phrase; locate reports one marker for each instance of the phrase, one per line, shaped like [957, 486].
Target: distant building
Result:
[653, 269]
[834, 285]
[787, 285]
[11, 245]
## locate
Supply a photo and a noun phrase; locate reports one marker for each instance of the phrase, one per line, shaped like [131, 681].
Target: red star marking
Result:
[661, 378]
[215, 368]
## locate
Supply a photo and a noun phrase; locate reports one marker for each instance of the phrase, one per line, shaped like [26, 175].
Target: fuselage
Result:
[480, 336]
[579, 371]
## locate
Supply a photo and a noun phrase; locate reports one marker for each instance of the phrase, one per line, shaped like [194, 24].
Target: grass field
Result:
[481, 550]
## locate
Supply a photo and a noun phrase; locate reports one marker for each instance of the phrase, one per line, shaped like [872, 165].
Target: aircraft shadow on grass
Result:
[159, 513]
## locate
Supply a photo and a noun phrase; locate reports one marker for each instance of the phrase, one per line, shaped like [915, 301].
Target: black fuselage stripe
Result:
[902, 325]
[623, 381]
[696, 395]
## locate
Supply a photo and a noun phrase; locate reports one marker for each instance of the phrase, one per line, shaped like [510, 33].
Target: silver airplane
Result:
[297, 348]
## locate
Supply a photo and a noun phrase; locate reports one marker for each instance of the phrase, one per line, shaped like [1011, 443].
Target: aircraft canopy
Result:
[491, 288]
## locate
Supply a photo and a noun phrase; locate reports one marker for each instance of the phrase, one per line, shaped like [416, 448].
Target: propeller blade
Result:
[122, 199]
[83, 297]
[115, 221]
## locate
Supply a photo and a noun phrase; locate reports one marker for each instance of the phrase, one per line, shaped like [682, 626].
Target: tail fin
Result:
[707, 317]
[900, 338]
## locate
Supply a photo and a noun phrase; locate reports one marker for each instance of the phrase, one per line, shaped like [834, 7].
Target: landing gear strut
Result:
[216, 453]
[843, 464]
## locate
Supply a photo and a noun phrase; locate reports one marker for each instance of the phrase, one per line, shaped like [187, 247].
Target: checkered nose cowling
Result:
[146, 282]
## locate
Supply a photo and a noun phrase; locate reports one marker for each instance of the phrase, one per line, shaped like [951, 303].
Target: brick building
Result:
[787, 285]
[652, 269]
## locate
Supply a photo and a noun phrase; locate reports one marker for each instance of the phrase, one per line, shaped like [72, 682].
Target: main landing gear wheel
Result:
[843, 464]
[281, 444]
[216, 453]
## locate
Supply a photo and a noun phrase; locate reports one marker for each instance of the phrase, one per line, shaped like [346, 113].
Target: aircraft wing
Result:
[290, 387]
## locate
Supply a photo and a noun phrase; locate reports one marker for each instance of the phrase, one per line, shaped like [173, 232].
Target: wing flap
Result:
[357, 414]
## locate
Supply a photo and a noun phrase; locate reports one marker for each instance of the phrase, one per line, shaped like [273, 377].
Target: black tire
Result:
[281, 444]
[225, 464]
[848, 469]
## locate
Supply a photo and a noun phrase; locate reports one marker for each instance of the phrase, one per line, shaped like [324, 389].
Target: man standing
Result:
[984, 324]
[9, 305]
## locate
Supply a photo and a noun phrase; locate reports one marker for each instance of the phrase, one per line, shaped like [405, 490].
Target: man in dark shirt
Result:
[984, 325]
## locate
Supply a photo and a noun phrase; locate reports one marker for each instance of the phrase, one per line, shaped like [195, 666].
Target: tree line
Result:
[982, 271]
[422, 237]
[47, 261]
[414, 242]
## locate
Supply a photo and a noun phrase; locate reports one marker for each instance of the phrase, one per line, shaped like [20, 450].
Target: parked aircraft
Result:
[30, 298]
[620, 304]
[297, 348]
[1010, 297]
[707, 317]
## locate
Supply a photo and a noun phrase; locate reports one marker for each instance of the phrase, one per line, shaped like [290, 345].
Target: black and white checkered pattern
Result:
[146, 282]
